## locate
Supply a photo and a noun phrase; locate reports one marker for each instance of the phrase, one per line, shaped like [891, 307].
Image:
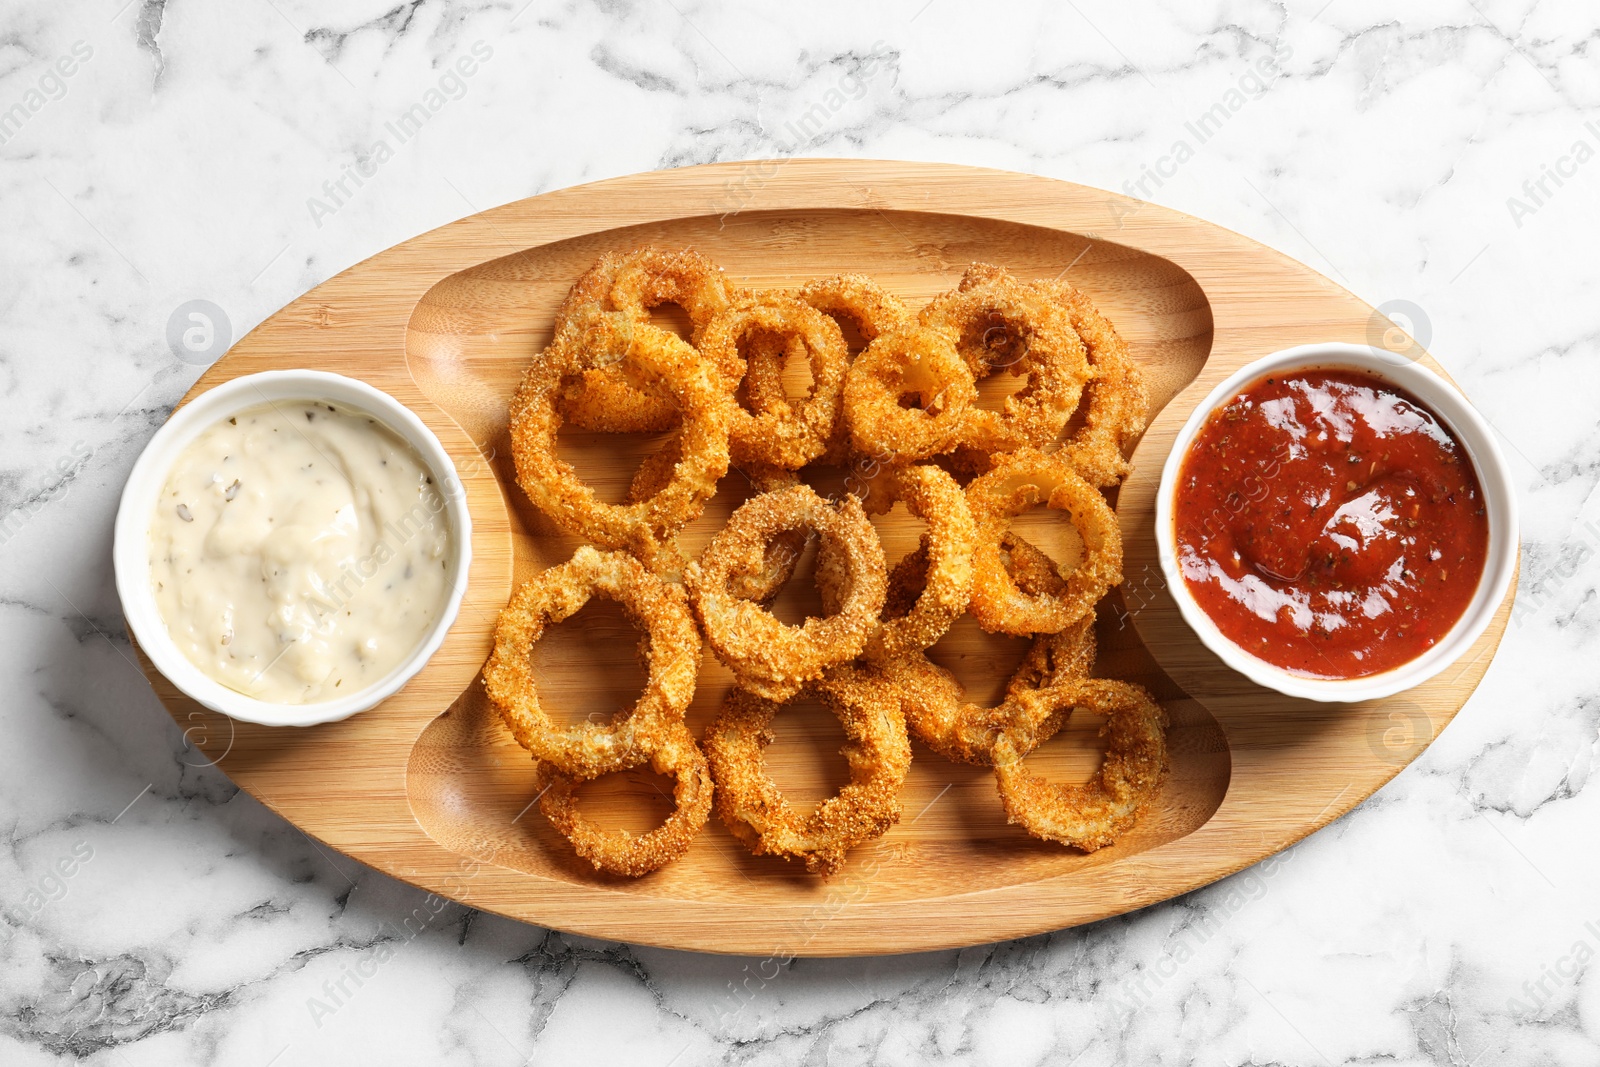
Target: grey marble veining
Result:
[1442, 154]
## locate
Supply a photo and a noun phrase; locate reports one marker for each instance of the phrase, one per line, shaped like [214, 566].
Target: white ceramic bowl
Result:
[1499, 495]
[130, 554]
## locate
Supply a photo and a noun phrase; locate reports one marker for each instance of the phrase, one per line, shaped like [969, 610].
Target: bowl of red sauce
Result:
[1337, 523]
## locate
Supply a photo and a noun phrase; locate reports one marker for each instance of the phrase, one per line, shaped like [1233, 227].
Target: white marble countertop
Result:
[170, 151]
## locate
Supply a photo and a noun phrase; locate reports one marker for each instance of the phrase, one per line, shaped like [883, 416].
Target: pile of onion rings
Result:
[905, 418]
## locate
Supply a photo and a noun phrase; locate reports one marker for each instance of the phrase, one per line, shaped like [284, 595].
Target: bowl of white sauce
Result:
[292, 547]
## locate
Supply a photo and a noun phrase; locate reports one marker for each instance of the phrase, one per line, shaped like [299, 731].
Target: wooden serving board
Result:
[429, 787]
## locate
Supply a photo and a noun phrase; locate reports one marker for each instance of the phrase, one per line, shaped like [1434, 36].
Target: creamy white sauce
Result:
[299, 552]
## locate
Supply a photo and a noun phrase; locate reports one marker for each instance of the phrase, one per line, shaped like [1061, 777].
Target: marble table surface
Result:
[1441, 163]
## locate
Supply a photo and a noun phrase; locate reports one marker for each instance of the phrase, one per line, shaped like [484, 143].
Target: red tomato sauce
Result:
[1330, 524]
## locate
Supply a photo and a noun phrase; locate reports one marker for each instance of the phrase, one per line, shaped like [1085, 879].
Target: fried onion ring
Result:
[672, 753]
[704, 408]
[1117, 398]
[933, 496]
[770, 658]
[671, 648]
[596, 323]
[778, 433]
[855, 298]
[908, 364]
[756, 812]
[859, 299]
[997, 322]
[965, 732]
[783, 551]
[1019, 481]
[1093, 815]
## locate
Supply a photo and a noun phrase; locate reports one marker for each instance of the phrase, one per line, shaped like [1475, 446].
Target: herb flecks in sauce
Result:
[301, 569]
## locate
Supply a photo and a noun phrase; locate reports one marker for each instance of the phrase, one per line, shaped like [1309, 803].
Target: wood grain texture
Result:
[429, 786]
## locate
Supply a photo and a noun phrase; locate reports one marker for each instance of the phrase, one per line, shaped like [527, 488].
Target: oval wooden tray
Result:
[431, 789]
